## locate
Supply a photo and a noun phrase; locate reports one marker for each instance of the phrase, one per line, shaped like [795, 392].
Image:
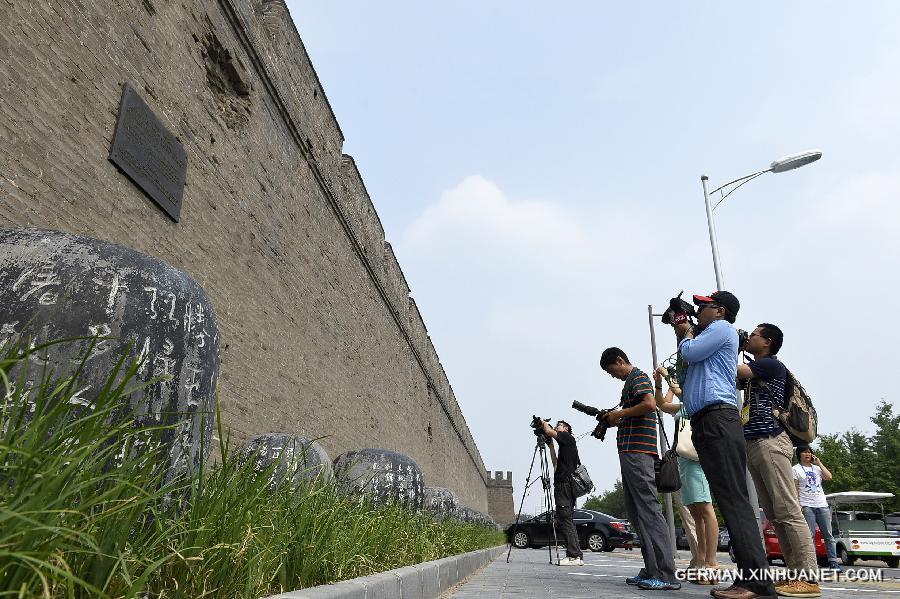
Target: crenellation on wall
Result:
[275, 52]
[418, 332]
[394, 282]
[361, 215]
[292, 73]
[439, 376]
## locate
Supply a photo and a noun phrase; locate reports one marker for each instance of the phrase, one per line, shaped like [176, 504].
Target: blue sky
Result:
[536, 168]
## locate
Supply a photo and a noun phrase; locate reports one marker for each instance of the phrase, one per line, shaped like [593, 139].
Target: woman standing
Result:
[808, 475]
[694, 488]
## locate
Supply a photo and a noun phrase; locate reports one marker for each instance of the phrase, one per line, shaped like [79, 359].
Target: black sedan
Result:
[596, 531]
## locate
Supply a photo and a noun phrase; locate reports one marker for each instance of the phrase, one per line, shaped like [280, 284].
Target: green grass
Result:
[84, 514]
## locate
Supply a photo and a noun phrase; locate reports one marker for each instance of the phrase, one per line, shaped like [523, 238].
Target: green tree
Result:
[610, 502]
[861, 463]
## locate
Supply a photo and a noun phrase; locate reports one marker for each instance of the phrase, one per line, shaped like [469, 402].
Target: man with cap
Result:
[710, 398]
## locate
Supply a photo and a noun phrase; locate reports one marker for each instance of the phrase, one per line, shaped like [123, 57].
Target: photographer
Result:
[710, 398]
[563, 467]
[636, 440]
[769, 452]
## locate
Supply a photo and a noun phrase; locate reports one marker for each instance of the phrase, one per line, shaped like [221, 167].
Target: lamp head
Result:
[795, 161]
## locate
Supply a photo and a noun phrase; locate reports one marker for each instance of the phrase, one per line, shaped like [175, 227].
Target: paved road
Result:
[529, 575]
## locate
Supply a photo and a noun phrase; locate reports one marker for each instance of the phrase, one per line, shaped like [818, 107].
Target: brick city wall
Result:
[319, 334]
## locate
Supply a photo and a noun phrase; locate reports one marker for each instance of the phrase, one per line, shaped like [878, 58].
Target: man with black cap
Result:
[710, 398]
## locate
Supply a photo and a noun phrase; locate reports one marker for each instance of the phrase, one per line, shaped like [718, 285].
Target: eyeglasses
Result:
[701, 307]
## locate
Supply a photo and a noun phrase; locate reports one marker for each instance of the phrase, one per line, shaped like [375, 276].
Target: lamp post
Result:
[779, 166]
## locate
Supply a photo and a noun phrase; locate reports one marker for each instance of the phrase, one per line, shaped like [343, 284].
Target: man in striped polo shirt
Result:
[636, 440]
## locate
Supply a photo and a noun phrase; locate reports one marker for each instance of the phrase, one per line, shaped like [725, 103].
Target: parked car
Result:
[773, 547]
[596, 531]
[681, 540]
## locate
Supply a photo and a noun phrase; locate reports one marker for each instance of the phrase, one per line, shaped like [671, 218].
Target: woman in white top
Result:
[808, 475]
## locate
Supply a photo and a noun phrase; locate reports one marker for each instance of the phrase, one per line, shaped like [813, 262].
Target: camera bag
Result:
[581, 481]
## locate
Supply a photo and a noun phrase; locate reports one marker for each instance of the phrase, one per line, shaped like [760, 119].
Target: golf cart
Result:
[863, 534]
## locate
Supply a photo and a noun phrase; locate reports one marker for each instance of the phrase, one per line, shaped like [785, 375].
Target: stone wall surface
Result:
[318, 333]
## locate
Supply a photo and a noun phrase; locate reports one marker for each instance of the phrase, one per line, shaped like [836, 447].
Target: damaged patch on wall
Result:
[227, 78]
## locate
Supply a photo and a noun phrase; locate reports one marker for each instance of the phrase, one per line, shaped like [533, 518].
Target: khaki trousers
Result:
[769, 462]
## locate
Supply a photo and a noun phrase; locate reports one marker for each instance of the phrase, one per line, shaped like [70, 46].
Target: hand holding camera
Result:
[679, 311]
[537, 424]
[599, 431]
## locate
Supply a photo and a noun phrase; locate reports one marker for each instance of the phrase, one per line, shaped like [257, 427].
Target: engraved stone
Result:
[441, 502]
[382, 474]
[55, 285]
[292, 457]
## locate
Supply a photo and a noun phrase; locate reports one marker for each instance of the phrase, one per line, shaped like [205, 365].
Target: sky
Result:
[536, 167]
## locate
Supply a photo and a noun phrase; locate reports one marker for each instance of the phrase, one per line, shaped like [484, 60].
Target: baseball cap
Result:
[724, 299]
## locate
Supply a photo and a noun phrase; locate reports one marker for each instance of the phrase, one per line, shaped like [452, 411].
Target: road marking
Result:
[603, 564]
[596, 575]
[857, 590]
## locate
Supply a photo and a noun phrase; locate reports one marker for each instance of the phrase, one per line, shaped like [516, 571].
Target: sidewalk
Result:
[529, 575]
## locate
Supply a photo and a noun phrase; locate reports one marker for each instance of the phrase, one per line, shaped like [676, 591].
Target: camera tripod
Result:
[539, 448]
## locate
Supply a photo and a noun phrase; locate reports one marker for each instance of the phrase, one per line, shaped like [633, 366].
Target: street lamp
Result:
[779, 166]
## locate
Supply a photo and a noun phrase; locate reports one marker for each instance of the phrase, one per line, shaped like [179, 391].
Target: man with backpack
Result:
[769, 453]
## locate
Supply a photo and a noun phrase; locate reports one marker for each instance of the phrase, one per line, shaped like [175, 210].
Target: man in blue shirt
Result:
[710, 398]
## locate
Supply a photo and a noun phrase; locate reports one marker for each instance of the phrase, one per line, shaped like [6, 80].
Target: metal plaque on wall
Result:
[149, 153]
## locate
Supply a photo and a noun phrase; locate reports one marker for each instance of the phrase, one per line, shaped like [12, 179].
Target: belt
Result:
[769, 435]
[712, 408]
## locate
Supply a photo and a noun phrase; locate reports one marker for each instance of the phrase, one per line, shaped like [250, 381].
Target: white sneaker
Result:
[571, 561]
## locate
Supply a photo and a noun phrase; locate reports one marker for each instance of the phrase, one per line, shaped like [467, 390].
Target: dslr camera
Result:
[678, 310]
[599, 431]
[537, 425]
[743, 338]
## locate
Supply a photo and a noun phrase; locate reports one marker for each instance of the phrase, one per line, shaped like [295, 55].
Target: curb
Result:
[422, 581]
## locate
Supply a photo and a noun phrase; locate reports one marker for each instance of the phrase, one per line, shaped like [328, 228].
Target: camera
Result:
[599, 431]
[743, 338]
[537, 423]
[678, 307]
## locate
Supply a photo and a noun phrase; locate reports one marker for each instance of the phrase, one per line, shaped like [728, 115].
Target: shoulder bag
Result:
[581, 481]
[668, 479]
[684, 444]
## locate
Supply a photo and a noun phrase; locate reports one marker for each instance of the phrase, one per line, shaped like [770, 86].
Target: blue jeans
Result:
[822, 517]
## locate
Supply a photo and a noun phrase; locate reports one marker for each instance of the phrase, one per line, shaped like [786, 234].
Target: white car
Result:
[863, 534]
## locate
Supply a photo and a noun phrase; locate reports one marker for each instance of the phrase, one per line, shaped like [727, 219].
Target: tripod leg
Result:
[548, 497]
[522, 503]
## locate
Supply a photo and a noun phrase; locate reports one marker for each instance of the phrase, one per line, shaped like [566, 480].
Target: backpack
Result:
[799, 418]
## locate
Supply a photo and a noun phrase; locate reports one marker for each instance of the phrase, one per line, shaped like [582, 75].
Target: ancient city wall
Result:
[318, 333]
